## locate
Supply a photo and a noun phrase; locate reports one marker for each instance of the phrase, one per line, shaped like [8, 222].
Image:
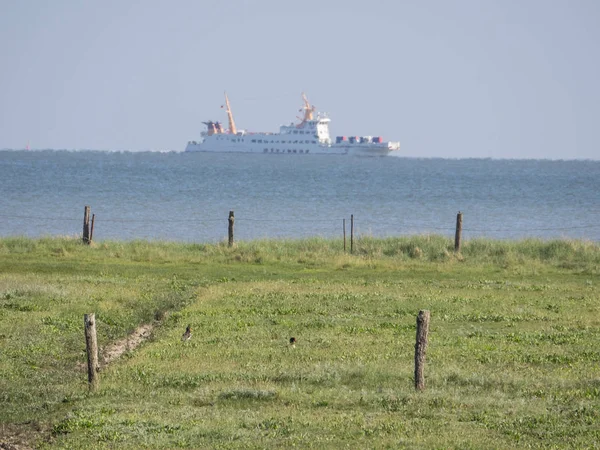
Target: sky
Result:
[447, 78]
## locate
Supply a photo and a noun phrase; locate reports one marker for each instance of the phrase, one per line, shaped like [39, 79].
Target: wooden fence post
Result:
[458, 234]
[86, 225]
[351, 233]
[92, 228]
[420, 348]
[231, 220]
[91, 346]
[344, 224]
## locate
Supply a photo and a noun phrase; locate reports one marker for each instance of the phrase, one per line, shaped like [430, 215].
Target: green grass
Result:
[513, 358]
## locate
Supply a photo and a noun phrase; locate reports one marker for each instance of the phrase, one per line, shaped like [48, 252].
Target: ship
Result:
[308, 137]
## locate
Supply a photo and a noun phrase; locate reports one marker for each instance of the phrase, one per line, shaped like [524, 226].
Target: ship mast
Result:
[232, 128]
[308, 110]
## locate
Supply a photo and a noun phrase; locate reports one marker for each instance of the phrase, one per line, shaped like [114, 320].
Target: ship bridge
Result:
[318, 128]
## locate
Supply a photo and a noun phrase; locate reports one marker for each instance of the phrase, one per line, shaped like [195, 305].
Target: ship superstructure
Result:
[310, 136]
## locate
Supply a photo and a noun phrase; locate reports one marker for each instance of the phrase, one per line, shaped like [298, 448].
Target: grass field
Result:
[513, 358]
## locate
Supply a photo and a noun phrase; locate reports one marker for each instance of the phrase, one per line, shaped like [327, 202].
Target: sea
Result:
[187, 197]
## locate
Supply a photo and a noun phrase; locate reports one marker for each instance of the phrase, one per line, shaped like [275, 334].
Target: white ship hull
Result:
[382, 149]
[325, 149]
[214, 146]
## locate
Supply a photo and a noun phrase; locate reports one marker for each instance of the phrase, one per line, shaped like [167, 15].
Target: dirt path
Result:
[116, 349]
[18, 436]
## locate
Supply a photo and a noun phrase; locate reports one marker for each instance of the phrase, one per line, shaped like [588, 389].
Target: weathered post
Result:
[458, 234]
[351, 233]
[91, 346]
[231, 220]
[92, 228]
[86, 225]
[344, 225]
[420, 348]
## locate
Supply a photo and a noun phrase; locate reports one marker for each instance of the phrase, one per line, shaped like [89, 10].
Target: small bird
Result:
[293, 342]
[188, 333]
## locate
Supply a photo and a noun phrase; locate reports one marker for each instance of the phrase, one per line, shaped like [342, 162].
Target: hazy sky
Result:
[447, 78]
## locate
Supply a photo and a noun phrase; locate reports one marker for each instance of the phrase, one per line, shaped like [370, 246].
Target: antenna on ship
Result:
[230, 116]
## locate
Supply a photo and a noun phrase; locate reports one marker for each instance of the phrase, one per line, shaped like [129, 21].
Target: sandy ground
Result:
[116, 349]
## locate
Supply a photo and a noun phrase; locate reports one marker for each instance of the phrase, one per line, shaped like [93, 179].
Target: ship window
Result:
[301, 151]
[295, 142]
[260, 141]
[314, 142]
[265, 150]
[253, 140]
[306, 151]
[295, 131]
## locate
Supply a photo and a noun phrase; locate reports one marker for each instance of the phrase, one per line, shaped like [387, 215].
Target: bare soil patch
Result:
[20, 436]
[116, 349]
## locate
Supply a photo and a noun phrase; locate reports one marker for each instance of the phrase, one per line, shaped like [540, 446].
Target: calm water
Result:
[187, 197]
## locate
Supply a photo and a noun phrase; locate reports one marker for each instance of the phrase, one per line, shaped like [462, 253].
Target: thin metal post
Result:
[351, 233]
